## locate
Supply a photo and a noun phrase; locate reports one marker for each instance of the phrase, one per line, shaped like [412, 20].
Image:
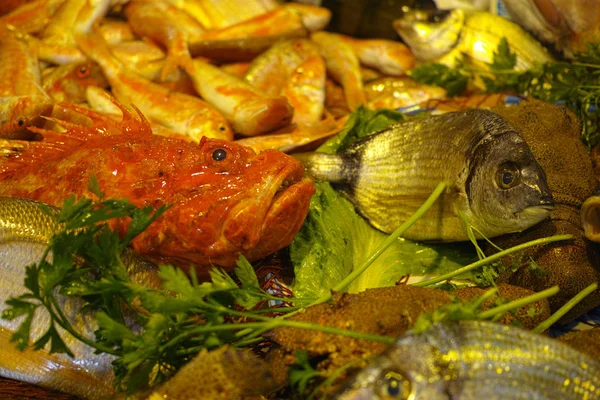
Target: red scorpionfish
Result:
[225, 199]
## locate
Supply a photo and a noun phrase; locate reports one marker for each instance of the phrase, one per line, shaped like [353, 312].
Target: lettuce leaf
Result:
[335, 239]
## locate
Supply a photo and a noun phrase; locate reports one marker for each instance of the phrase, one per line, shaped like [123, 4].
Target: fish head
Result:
[17, 114]
[430, 34]
[412, 368]
[231, 201]
[506, 187]
[68, 83]
[209, 123]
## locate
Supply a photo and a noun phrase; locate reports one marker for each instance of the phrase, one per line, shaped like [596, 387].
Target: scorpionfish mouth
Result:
[268, 220]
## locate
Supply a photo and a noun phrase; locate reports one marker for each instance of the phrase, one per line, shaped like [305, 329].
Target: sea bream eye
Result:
[393, 385]
[219, 155]
[508, 176]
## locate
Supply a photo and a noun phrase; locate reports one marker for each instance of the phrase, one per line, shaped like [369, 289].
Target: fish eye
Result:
[20, 122]
[219, 155]
[508, 176]
[393, 385]
[438, 16]
[83, 72]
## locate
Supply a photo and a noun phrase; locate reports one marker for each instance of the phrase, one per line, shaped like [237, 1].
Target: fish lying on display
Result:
[25, 230]
[468, 35]
[476, 360]
[494, 182]
[226, 199]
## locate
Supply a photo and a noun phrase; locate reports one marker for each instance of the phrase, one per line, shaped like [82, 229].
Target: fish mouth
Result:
[270, 213]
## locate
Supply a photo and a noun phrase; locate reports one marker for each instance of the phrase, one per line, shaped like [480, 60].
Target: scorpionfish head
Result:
[227, 200]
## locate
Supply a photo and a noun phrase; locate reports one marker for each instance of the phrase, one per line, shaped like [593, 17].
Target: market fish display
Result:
[473, 36]
[25, 230]
[226, 199]
[494, 182]
[477, 360]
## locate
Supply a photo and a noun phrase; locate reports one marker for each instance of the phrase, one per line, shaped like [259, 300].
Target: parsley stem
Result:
[493, 257]
[484, 297]
[276, 323]
[513, 305]
[565, 308]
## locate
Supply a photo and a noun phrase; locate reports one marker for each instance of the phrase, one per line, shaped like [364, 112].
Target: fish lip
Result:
[245, 228]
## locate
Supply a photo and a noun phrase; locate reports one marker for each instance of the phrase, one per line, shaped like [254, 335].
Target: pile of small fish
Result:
[254, 69]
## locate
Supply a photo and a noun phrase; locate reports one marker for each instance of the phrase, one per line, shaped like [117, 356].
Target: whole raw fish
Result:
[24, 234]
[226, 199]
[477, 360]
[473, 36]
[494, 182]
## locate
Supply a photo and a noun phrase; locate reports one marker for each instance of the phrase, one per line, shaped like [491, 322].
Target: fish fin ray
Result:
[17, 154]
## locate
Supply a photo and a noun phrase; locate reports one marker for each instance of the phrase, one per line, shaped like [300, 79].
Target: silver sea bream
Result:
[494, 183]
[472, 360]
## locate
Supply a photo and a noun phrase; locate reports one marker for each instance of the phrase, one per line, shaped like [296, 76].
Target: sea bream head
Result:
[505, 186]
[225, 199]
[430, 34]
[471, 360]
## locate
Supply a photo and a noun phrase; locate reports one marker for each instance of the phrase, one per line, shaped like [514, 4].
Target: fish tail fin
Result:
[321, 166]
[172, 63]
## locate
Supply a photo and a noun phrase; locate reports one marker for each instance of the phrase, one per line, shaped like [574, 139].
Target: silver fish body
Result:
[494, 182]
[473, 360]
[24, 233]
[468, 35]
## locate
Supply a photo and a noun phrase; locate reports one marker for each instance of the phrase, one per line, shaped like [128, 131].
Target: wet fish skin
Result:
[445, 35]
[389, 174]
[476, 360]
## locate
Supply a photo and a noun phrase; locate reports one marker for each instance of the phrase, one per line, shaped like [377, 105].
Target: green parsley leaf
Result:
[455, 81]
[57, 345]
